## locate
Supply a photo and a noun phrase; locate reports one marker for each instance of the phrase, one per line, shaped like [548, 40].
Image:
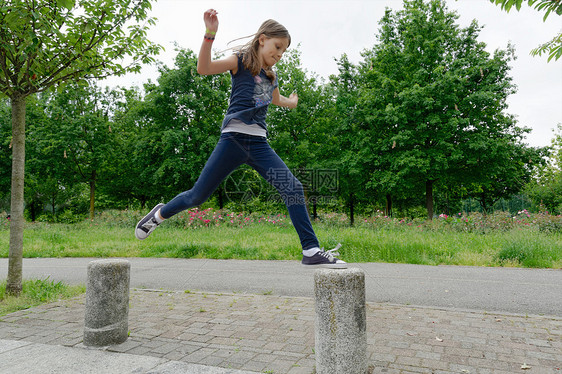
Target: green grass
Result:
[526, 248]
[36, 292]
[60, 240]
[531, 249]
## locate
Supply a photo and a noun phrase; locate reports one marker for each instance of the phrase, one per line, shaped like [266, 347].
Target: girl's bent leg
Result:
[274, 170]
[226, 157]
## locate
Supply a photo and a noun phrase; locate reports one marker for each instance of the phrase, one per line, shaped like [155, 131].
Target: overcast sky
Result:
[326, 29]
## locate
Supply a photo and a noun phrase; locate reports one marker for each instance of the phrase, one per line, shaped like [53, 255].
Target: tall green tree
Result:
[46, 43]
[433, 99]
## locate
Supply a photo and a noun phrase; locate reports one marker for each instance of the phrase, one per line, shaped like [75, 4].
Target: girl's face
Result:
[271, 50]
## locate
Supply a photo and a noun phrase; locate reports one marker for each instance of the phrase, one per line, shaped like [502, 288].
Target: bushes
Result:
[461, 222]
[193, 218]
[549, 224]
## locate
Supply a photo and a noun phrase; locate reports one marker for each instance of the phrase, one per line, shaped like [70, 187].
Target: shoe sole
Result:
[137, 235]
[326, 266]
[137, 232]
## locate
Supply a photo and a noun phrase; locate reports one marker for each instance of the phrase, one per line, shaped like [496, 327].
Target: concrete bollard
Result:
[107, 302]
[341, 322]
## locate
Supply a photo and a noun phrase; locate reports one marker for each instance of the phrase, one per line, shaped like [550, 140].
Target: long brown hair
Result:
[271, 29]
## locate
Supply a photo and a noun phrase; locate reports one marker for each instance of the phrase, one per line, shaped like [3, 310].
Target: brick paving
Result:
[275, 334]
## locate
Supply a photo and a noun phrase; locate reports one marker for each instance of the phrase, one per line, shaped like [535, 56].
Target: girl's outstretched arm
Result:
[205, 65]
[288, 102]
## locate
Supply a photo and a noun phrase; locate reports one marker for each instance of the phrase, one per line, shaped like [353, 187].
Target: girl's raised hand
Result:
[293, 99]
[211, 20]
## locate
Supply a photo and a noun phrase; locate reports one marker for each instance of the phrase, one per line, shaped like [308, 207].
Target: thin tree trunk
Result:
[429, 199]
[14, 281]
[388, 205]
[92, 194]
[351, 210]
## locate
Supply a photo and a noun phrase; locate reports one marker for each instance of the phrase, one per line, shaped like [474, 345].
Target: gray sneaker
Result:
[323, 259]
[147, 224]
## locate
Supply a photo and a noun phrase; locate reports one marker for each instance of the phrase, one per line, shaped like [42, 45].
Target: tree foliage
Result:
[431, 107]
[47, 43]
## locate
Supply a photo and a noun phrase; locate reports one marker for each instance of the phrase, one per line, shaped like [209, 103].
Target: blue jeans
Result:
[233, 150]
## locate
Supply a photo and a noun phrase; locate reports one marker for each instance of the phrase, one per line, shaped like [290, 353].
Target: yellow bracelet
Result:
[210, 32]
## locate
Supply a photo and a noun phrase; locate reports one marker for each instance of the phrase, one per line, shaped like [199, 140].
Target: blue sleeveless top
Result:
[250, 96]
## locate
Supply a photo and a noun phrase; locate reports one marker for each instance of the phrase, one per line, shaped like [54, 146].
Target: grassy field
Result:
[445, 242]
[36, 292]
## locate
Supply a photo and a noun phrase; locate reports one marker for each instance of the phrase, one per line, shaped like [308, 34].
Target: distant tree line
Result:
[420, 124]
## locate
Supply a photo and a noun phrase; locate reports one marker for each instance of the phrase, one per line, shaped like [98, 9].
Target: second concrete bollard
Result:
[341, 322]
[107, 302]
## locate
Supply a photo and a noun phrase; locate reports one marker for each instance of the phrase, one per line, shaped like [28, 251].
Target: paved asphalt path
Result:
[511, 290]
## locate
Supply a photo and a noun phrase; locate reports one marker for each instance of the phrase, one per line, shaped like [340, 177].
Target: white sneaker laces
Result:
[150, 224]
[331, 253]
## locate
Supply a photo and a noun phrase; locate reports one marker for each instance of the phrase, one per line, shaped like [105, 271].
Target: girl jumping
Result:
[243, 137]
